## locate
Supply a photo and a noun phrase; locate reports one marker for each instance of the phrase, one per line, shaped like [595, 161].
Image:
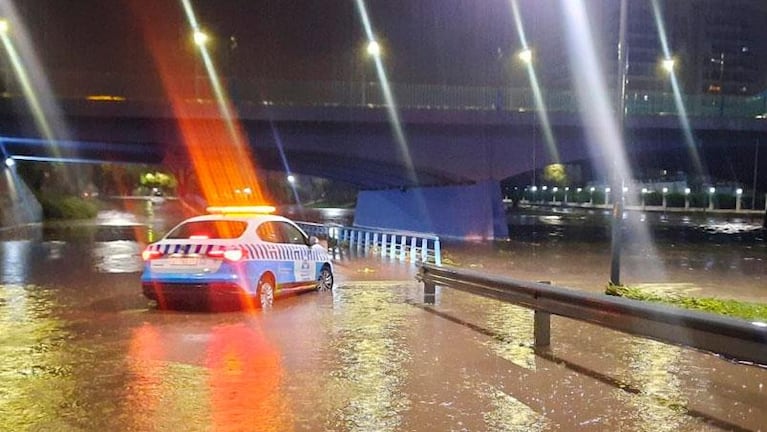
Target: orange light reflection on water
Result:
[218, 150]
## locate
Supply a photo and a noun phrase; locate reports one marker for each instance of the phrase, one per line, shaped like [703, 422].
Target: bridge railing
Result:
[730, 338]
[401, 245]
[78, 84]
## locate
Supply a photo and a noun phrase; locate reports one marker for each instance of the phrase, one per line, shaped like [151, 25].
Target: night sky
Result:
[425, 41]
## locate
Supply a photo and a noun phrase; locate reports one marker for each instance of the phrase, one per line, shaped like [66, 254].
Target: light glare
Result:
[200, 37]
[374, 48]
[668, 64]
[526, 55]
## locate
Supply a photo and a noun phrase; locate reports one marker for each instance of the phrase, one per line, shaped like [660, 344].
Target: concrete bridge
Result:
[453, 135]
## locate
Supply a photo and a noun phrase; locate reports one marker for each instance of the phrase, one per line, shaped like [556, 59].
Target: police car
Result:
[240, 253]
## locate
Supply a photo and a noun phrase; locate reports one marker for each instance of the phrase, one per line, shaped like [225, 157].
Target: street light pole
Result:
[617, 177]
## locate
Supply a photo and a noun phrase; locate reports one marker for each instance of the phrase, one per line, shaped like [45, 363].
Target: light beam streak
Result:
[692, 147]
[540, 103]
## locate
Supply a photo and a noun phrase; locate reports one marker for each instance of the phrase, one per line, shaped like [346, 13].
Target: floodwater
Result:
[81, 349]
[701, 255]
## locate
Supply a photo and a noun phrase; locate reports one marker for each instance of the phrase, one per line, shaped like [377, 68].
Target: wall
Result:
[467, 212]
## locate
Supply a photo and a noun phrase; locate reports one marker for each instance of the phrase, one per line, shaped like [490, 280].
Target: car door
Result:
[297, 244]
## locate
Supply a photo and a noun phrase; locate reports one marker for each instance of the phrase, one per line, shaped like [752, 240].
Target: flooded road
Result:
[81, 349]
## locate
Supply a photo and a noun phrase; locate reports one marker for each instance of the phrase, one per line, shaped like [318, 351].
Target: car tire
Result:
[265, 293]
[325, 279]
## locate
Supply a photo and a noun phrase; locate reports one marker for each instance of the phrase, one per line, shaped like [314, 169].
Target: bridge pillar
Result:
[18, 205]
[466, 211]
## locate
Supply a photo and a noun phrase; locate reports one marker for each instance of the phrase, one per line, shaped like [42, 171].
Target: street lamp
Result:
[665, 191]
[526, 55]
[291, 178]
[567, 189]
[591, 195]
[200, 39]
[607, 195]
[372, 49]
[687, 198]
[739, 195]
[533, 189]
[711, 192]
[668, 64]
[9, 162]
[644, 192]
[554, 191]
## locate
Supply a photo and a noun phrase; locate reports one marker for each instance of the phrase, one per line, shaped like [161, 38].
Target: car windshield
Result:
[216, 229]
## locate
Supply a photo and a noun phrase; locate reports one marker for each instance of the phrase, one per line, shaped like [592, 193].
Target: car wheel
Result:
[325, 281]
[265, 293]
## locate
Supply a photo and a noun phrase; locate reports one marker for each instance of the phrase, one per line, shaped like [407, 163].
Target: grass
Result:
[731, 308]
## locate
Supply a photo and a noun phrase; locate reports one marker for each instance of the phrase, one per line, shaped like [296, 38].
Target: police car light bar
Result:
[241, 209]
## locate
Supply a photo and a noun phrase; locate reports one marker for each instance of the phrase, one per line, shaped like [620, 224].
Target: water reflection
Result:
[15, 258]
[33, 377]
[368, 339]
[516, 325]
[509, 414]
[654, 368]
[227, 378]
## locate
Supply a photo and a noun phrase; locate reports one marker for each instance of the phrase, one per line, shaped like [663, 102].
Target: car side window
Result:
[292, 234]
[270, 232]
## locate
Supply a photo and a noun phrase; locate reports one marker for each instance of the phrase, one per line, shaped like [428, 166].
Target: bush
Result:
[67, 207]
[732, 308]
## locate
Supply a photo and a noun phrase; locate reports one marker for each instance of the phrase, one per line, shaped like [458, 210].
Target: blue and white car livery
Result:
[248, 256]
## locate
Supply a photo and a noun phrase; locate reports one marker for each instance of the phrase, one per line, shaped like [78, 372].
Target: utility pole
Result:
[617, 176]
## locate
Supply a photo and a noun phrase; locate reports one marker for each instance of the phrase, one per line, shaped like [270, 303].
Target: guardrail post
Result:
[542, 326]
[413, 243]
[541, 329]
[437, 253]
[375, 240]
[367, 240]
[393, 250]
[403, 248]
[424, 249]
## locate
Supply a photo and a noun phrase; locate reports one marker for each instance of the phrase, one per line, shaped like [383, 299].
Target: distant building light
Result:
[105, 98]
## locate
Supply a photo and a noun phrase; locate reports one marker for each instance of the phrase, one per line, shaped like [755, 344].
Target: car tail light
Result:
[233, 254]
[150, 254]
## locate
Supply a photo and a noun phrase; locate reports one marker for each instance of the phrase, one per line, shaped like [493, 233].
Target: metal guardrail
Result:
[401, 245]
[731, 338]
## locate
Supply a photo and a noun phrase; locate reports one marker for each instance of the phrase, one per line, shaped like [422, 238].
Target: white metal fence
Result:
[401, 245]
